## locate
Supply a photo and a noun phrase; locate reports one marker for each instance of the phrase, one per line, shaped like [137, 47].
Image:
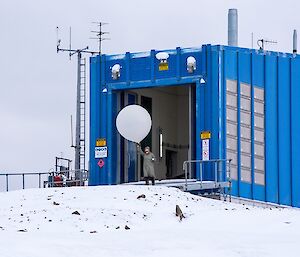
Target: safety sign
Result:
[101, 152]
[101, 163]
[205, 135]
[205, 149]
[101, 142]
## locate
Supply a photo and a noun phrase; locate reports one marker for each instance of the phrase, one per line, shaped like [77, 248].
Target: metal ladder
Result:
[82, 112]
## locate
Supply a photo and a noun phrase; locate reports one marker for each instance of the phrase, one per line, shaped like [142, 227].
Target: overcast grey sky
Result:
[38, 86]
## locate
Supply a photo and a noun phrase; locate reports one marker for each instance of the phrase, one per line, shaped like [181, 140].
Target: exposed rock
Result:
[75, 213]
[179, 212]
[22, 230]
[141, 196]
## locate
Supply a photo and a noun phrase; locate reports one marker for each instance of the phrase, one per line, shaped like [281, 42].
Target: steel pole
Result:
[77, 141]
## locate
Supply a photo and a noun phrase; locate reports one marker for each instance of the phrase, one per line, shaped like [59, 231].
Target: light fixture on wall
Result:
[160, 134]
[191, 64]
[163, 58]
[115, 71]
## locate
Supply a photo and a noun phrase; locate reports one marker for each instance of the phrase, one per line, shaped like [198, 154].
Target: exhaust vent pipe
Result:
[295, 42]
[232, 27]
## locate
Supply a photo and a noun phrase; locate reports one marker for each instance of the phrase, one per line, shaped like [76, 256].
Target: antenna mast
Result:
[80, 103]
[72, 145]
[81, 92]
[99, 35]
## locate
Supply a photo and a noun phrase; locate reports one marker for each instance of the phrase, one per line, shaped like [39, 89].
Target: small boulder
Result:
[141, 196]
[179, 213]
[22, 230]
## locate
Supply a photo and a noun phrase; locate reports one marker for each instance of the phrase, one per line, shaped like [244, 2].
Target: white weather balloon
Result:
[134, 123]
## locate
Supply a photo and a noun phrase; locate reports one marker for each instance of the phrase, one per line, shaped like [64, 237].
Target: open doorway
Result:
[171, 138]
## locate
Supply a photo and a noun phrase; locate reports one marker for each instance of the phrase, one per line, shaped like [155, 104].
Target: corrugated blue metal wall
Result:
[250, 102]
[278, 75]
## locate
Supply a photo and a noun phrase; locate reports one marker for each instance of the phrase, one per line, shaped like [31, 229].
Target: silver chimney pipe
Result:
[295, 42]
[232, 27]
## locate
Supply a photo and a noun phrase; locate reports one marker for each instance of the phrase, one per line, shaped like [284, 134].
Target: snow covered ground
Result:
[111, 221]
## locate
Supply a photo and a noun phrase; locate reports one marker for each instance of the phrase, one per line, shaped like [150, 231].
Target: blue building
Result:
[249, 101]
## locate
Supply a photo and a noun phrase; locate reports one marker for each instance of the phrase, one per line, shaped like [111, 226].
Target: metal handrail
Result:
[83, 177]
[201, 162]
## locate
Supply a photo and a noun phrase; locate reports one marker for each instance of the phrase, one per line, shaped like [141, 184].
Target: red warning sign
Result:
[101, 163]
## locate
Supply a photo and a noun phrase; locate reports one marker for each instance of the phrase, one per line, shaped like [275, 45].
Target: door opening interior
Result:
[172, 135]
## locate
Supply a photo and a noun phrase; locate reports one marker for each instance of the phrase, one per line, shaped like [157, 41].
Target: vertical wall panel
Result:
[271, 129]
[230, 76]
[213, 102]
[231, 125]
[199, 123]
[258, 125]
[245, 131]
[94, 119]
[284, 121]
[244, 122]
[295, 130]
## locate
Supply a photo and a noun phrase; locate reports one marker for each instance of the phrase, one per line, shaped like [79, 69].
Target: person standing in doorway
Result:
[148, 166]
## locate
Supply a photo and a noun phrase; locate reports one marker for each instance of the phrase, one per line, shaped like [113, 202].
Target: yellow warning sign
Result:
[205, 135]
[101, 142]
[163, 66]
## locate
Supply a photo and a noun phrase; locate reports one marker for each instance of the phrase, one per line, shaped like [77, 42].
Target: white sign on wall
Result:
[101, 152]
[205, 149]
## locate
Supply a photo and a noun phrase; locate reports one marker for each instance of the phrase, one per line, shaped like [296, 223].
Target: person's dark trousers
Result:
[147, 180]
[153, 181]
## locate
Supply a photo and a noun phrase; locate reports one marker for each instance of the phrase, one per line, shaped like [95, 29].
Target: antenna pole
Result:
[72, 131]
[77, 139]
[70, 44]
[80, 105]
[99, 35]
[80, 99]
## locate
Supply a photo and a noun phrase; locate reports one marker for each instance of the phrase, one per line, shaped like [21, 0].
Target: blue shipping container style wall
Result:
[248, 99]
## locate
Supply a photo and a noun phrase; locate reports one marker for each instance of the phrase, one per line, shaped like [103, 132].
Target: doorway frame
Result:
[193, 91]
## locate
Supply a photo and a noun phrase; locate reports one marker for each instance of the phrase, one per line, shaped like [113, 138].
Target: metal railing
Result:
[66, 178]
[218, 170]
[54, 178]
